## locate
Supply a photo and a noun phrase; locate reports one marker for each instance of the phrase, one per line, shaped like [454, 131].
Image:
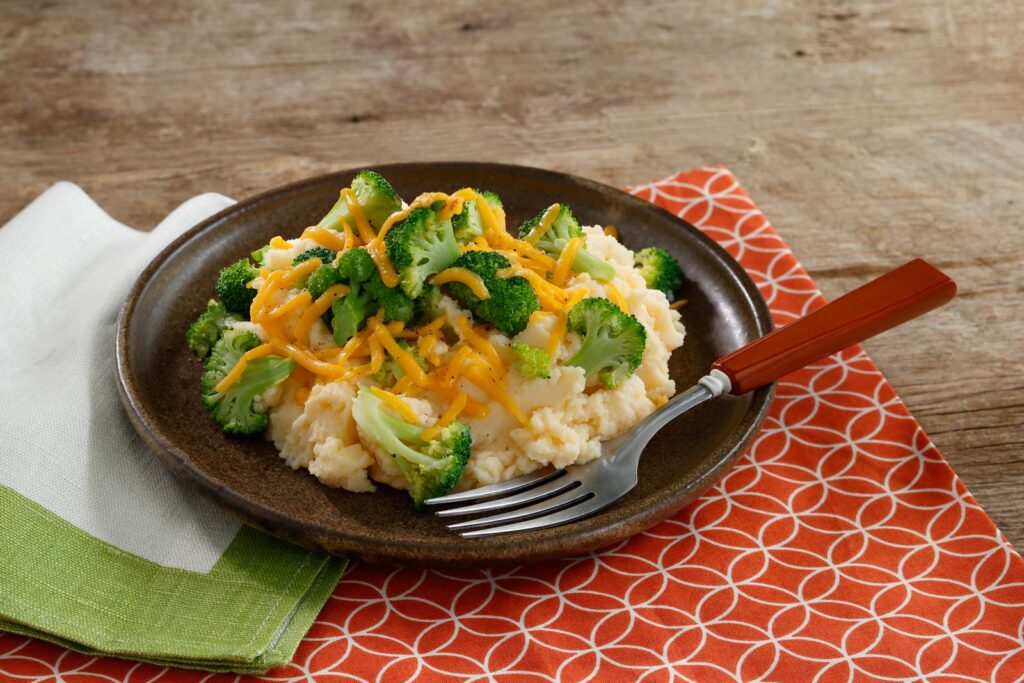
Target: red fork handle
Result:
[911, 290]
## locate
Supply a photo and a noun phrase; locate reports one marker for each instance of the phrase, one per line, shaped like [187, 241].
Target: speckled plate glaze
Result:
[158, 378]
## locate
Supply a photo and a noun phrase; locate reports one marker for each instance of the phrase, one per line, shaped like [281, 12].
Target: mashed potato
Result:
[566, 424]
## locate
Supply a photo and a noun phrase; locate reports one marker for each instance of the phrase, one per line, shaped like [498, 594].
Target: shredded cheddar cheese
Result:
[482, 344]
[317, 309]
[376, 354]
[493, 231]
[278, 242]
[351, 241]
[404, 359]
[325, 238]
[236, 372]
[301, 271]
[616, 297]
[558, 333]
[456, 407]
[396, 404]
[433, 326]
[448, 374]
[484, 380]
[300, 300]
[676, 305]
[270, 285]
[466, 277]
[542, 227]
[565, 260]
[356, 212]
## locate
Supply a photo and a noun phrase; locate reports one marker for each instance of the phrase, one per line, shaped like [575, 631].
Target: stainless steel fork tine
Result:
[562, 500]
[546, 490]
[502, 488]
[562, 516]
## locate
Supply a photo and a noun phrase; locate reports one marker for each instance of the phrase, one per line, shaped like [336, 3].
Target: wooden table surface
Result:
[869, 133]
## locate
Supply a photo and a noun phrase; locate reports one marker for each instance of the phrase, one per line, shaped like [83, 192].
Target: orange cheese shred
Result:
[532, 256]
[545, 223]
[308, 361]
[425, 199]
[351, 241]
[679, 303]
[483, 345]
[394, 402]
[473, 408]
[356, 212]
[278, 242]
[449, 373]
[271, 284]
[564, 264]
[552, 297]
[301, 271]
[376, 354]
[558, 333]
[456, 407]
[236, 372]
[300, 300]
[433, 326]
[380, 259]
[325, 238]
[466, 277]
[611, 231]
[478, 375]
[404, 359]
[452, 206]
[616, 297]
[317, 309]
[493, 231]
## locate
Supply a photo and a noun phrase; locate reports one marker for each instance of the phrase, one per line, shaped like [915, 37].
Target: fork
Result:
[546, 499]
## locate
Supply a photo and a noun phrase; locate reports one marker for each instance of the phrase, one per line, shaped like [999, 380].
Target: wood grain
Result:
[868, 132]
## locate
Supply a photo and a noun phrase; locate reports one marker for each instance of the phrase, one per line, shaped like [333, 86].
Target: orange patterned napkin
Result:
[842, 547]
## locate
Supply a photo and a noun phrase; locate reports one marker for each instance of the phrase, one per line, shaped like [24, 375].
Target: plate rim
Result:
[354, 544]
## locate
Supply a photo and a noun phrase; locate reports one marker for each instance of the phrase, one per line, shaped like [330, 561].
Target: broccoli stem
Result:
[370, 413]
[585, 262]
[332, 221]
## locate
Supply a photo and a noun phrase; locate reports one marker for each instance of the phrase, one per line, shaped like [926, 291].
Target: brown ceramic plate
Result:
[158, 376]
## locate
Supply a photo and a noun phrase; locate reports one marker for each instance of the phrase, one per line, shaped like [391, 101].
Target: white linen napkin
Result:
[65, 442]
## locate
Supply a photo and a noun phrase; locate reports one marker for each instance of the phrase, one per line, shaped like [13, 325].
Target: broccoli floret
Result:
[357, 265]
[428, 304]
[323, 253]
[322, 279]
[376, 197]
[531, 362]
[430, 468]
[552, 242]
[349, 314]
[613, 341]
[233, 409]
[394, 304]
[206, 330]
[390, 371]
[420, 246]
[468, 224]
[512, 300]
[232, 287]
[659, 269]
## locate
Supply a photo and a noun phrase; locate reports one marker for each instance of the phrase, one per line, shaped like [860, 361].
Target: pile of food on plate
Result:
[425, 347]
